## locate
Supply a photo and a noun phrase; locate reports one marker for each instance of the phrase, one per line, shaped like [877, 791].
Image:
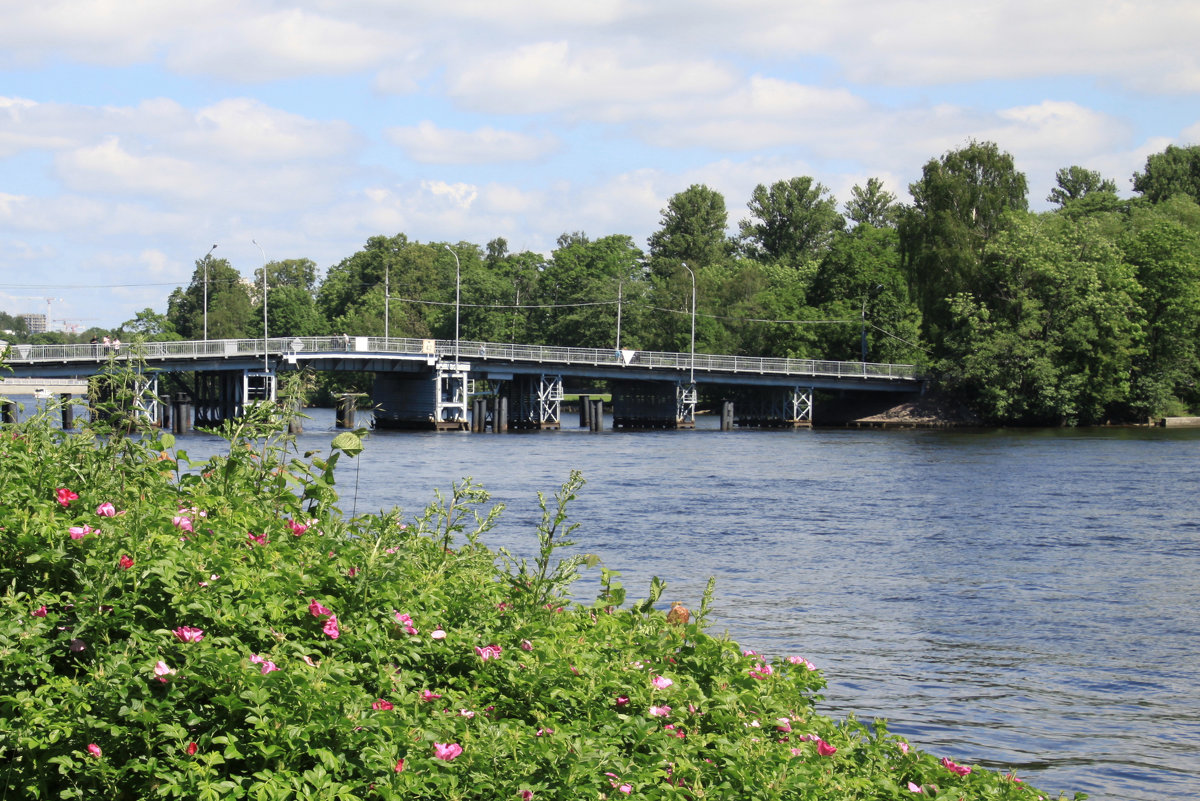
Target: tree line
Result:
[1086, 313]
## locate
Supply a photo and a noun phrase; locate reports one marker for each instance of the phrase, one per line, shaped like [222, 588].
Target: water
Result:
[1021, 600]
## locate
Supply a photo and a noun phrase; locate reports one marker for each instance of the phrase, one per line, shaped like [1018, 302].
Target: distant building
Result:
[36, 323]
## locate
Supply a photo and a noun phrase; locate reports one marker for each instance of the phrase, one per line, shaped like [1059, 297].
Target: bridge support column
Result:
[8, 412]
[345, 410]
[68, 412]
[727, 415]
[776, 407]
[436, 400]
[534, 401]
[653, 404]
[500, 415]
[585, 411]
[596, 415]
[181, 413]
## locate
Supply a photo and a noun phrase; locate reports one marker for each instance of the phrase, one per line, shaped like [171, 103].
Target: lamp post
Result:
[207, 256]
[387, 275]
[266, 367]
[864, 322]
[457, 296]
[692, 365]
[620, 286]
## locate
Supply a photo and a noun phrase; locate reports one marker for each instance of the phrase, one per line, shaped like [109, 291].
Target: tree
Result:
[230, 314]
[1052, 337]
[151, 326]
[291, 301]
[692, 230]
[1077, 183]
[1175, 171]
[580, 286]
[792, 222]
[1165, 252]
[860, 281]
[959, 204]
[872, 205]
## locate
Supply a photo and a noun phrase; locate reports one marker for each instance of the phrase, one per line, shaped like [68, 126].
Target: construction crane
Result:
[72, 323]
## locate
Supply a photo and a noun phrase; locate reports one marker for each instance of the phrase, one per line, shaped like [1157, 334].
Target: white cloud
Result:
[427, 143]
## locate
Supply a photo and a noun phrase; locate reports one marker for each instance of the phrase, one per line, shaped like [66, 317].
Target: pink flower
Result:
[488, 652]
[748, 652]
[318, 610]
[297, 528]
[331, 627]
[260, 539]
[784, 724]
[93, 749]
[446, 751]
[126, 562]
[429, 695]
[622, 700]
[268, 666]
[915, 788]
[308, 660]
[961, 770]
[182, 523]
[407, 623]
[825, 749]
[466, 713]
[399, 765]
[903, 747]
[526, 645]
[65, 496]
[661, 682]
[761, 670]
[543, 732]
[382, 705]
[438, 634]
[626, 788]
[527, 795]
[352, 572]
[106, 509]
[191, 749]
[40, 611]
[188, 634]
[162, 670]
[799, 660]
[79, 532]
[660, 711]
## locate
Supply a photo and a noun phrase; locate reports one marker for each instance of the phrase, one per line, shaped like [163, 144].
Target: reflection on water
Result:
[1019, 600]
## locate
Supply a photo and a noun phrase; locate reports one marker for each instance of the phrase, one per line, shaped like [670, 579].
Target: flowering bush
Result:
[164, 654]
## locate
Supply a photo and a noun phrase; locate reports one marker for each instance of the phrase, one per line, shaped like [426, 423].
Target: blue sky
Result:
[134, 134]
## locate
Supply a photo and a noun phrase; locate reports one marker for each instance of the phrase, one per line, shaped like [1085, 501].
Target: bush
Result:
[221, 630]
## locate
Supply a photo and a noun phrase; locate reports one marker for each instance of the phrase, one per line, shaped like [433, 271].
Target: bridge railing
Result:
[464, 350]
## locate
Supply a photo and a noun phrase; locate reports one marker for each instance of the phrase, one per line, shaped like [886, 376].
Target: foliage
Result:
[1175, 171]
[792, 222]
[872, 205]
[220, 630]
[216, 287]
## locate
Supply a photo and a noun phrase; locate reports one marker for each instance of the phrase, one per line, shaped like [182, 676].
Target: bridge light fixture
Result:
[457, 296]
[266, 365]
[692, 351]
[207, 256]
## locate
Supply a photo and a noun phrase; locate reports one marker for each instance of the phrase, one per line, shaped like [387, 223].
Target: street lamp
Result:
[864, 321]
[207, 256]
[457, 296]
[692, 367]
[266, 367]
[620, 286]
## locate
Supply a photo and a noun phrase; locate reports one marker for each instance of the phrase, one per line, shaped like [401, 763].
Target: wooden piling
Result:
[8, 412]
[597, 415]
[500, 415]
[585, 411]
[727, 416]
[181, 413]
[345, 411]
[68, 412]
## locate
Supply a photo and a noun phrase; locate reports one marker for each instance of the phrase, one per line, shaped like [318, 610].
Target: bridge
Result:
[459, 384]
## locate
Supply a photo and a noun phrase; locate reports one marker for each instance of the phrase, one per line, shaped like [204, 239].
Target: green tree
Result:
[959, 204]
[230, 314]
[872, 205]
[1175, 171]
[692, 229]
[150, 325]
[579, 286]
[860, 280]
[1163, 245]
[792, 222]
[1076, 183]
[1052, 338]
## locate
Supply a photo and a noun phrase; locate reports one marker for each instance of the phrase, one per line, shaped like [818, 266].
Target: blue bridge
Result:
[458, 384]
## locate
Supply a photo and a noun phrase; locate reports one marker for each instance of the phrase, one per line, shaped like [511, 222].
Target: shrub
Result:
[221, 630]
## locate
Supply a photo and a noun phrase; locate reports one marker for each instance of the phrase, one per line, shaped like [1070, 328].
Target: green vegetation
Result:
[1083, 314]
[221, 630]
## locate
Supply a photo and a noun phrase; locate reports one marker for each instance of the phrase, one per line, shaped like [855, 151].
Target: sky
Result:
[136, 134]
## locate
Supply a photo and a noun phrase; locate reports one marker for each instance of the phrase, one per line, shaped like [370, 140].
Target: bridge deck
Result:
[481, 359]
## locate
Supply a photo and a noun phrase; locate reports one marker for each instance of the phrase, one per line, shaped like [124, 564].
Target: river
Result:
[1021, 600]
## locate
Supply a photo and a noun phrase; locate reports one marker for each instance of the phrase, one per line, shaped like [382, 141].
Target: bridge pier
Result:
[775, 407]
[435, 401]
[653, 404]
[532, 402]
